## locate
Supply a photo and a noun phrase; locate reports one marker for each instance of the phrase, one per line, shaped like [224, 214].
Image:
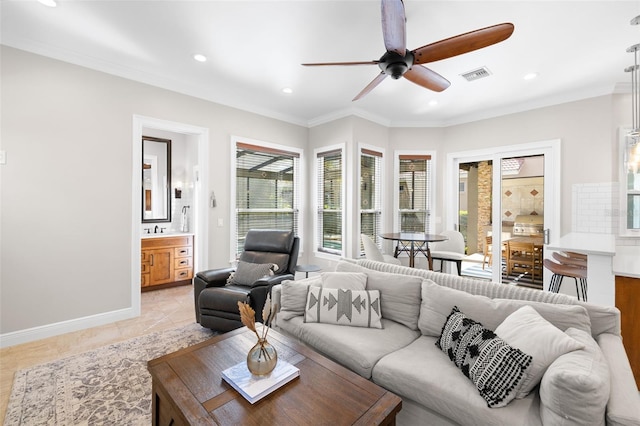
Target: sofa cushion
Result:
[423, 373]
[358, 349]
[293, 297]
[489, 362]
[575, 388]
[248, 273]
[356, 308]
[437, 302]
[343, 280]
[400, 294]
[526, 330]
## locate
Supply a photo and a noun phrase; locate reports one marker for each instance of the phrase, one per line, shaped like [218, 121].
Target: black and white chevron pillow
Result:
[358, 308]
[489, 362]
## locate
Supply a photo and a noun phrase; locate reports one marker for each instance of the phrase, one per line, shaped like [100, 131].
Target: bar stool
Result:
[565, 259]
[563, 270]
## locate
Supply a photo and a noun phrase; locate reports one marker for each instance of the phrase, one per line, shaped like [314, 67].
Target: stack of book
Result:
[253, 388]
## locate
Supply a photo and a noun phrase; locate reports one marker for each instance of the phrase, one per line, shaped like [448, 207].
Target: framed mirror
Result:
[156, 179]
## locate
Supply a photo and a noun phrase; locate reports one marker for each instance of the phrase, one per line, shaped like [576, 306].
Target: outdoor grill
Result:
[529, 224]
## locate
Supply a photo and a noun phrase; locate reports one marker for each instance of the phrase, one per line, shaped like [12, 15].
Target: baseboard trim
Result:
[42, 332]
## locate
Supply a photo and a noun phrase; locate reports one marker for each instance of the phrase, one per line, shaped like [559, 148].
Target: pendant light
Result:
[634, 70]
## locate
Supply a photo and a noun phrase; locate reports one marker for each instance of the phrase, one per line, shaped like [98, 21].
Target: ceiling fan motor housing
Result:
[395, 65]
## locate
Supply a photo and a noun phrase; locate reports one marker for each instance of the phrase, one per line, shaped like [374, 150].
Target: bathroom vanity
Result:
[167, 260]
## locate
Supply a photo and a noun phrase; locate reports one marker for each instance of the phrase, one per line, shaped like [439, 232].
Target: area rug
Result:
[105, 386]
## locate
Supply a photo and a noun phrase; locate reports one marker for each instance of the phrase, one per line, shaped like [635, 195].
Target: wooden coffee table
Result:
[188, 388]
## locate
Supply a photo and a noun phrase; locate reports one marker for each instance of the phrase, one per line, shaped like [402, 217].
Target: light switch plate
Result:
[3, 157]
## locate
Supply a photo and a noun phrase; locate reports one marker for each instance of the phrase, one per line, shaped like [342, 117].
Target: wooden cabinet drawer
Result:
[183, 274]
[183, 262]
[144, 280]
[144, 268]
[183, 251]
[144, 256]
[181, 241]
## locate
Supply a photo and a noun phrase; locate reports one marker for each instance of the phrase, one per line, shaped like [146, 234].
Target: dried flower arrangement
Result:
[248, 317]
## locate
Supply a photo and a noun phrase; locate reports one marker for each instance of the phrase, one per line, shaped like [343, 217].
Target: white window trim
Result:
[345, 209]
[432, 188]
[358, 205]
[622, 179]
[232, 192]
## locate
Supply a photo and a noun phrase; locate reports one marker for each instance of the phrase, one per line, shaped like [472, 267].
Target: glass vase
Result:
[262, 358]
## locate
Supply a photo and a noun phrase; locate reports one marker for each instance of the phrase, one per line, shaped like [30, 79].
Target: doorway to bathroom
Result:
[188, 191]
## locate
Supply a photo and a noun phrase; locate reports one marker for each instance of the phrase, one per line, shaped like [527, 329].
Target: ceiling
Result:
[255, 48]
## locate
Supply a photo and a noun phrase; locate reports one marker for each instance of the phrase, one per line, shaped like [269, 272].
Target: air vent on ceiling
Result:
[476, 74]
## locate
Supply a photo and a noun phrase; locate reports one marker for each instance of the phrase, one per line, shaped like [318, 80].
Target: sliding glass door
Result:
[501, 197]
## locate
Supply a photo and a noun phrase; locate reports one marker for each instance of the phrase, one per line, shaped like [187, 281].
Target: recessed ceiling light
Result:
[531, 76]
[433, 103]
[200, 58]
[287, 90]
[49, 3]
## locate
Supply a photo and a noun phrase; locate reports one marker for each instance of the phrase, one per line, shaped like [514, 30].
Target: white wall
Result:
[65, 225]
[66, 187]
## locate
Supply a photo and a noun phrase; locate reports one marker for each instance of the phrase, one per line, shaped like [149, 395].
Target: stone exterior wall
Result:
[485, 181]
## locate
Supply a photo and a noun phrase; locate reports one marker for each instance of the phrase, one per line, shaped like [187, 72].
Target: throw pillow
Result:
[344, 280]
[399, 294]
[526, 330]
[575, 389]
[248, 273]
[489, 362]
[437, 301]
[358, 308]
[293, 297]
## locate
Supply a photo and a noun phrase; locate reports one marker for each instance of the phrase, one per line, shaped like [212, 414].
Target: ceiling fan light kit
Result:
[399, 62]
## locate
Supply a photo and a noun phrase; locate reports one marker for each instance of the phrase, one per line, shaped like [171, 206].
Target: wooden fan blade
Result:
[370, 86]
[322, 64]
[463, 43]
[394, 26]
[427, 78]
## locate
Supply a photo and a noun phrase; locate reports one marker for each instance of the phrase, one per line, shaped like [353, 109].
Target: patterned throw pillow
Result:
[489, 362]
[358, 308]
[248, 273]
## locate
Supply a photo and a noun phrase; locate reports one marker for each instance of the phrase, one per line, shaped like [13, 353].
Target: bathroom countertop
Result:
[165, 234]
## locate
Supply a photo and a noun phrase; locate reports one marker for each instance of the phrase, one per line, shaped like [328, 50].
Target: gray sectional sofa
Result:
[590, 383]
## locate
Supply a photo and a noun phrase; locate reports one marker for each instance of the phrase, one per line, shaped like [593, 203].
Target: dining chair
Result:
[522, 258]
[488, 248]
[372, 251]
[451, 250]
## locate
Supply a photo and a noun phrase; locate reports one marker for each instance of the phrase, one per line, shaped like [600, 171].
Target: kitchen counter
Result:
[599, 244]
[626, 262]
[600, 249]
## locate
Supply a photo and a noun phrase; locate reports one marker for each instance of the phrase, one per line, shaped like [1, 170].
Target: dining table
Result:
[413, 243]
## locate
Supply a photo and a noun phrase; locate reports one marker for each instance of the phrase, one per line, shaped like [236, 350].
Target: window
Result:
[330, 194]
[266, 189]
[629, 184]
[370, 194]
[414, 183]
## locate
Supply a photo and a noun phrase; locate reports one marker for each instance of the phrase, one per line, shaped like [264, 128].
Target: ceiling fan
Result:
[400, 62]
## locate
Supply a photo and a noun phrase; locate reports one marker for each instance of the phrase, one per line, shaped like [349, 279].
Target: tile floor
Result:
[161, 309]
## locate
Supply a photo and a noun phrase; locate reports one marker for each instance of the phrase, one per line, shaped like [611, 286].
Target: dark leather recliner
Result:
[216, 303]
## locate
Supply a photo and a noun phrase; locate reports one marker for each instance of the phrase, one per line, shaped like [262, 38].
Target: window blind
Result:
[414, 197]
[329, 203]
[370, 195]
[267, 190]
